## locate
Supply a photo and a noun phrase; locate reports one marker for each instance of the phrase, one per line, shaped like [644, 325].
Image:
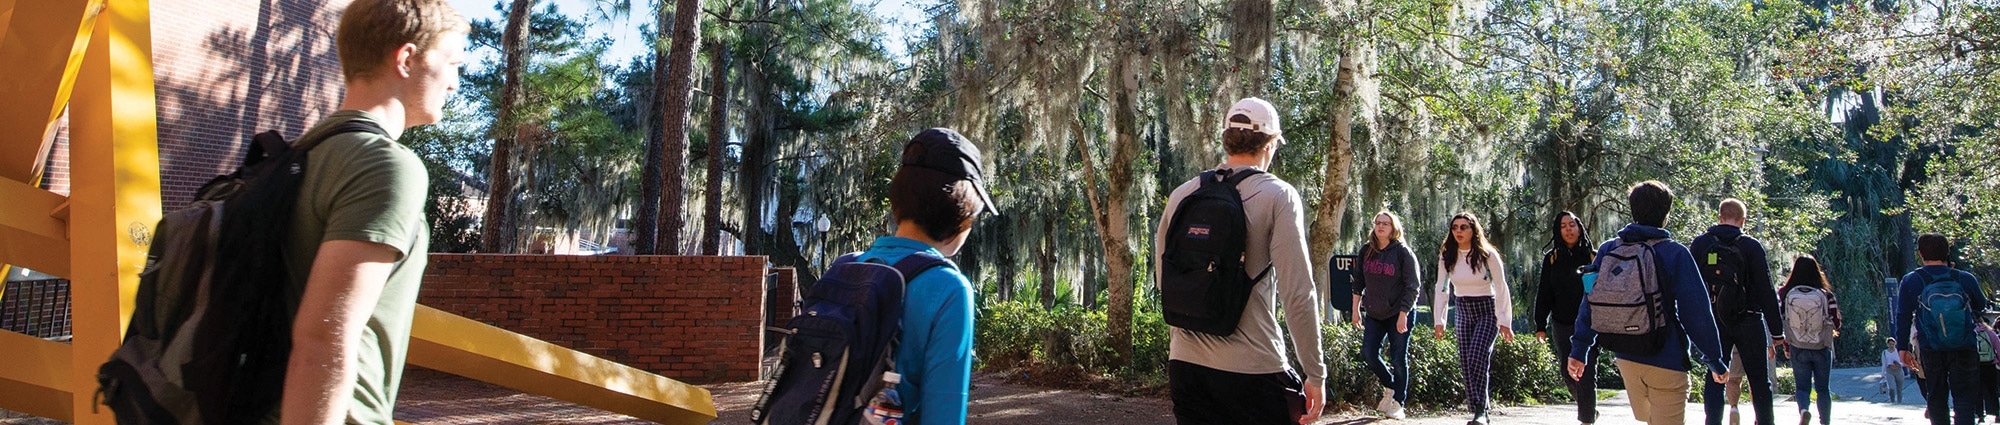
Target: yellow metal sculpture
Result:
[93, 58]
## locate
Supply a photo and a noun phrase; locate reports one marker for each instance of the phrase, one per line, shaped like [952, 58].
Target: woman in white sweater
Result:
[1471, 270]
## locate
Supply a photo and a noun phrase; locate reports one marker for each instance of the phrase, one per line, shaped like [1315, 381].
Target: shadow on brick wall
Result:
[218, 89]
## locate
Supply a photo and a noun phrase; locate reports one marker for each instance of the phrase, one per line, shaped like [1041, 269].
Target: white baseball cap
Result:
[1263, 116]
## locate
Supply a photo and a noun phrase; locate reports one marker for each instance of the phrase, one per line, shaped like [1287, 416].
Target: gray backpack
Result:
[1806, 318]
[1626, 308]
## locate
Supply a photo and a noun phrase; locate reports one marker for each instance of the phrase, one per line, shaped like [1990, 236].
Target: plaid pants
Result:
[1476, 329]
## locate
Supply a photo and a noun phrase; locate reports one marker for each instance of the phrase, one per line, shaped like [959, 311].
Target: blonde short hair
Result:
[1732, 209]
[371, 29]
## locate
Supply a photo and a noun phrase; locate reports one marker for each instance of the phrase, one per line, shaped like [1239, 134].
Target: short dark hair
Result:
[1650, 200]
[937, 202]
[1934, 247]
[1239, 141]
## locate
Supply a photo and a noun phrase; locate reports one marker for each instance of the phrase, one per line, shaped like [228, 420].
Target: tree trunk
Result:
[1004, 260]
[1045, 264]
[1249, 44]
[1327, 214]
[1113, 224]
[496, 232]
[718, 141]
[761, 121]
[645, 235]
[786, 251]
[674, 127]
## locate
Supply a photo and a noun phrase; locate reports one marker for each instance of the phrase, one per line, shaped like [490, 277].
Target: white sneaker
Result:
[1396, 414]
[1388, 402]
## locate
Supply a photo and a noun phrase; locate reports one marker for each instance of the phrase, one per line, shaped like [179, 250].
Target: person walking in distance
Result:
[1386, 292]
[1226, 368]
[1738, 275]
[1470, 270]
[1941, 304]
[1561, 290]
[1646, 303]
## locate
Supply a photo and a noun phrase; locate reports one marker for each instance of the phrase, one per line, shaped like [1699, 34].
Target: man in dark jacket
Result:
[1745, 303]
[1561, 291]
[1949, 367]
[1657, 382]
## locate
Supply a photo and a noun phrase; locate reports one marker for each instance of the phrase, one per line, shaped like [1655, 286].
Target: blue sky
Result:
[902, 17]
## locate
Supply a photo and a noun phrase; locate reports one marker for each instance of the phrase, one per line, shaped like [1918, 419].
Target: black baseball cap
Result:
[946, 151]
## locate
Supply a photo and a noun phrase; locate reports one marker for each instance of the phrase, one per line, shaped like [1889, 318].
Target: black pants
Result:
[1585, 390]
[1989, 390]
[1205, 396]
[1953, 378]
[1746, 336]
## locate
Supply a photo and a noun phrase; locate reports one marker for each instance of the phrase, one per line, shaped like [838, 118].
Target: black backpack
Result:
[845, 336]
[1722, 269]
[210, 332]
[1203, 281]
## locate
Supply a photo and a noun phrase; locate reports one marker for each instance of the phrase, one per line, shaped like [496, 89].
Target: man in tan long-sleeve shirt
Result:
[1246, 378]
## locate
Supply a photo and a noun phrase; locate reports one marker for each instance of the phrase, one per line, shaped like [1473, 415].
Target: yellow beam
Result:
[468, 348]
[30, 234]
[6, 15]
[43, 46]
[35, 379]
[115, 190]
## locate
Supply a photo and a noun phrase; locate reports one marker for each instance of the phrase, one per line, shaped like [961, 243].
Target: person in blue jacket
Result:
[1657, 383]
[1951, 367]
[936, 193]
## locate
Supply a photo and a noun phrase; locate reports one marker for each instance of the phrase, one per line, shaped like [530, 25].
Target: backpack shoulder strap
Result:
[350, 126]
[1238, 176]
[917, 263]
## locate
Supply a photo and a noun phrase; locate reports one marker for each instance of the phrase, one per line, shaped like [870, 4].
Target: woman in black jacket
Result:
[1557, 301]
[1387, 290]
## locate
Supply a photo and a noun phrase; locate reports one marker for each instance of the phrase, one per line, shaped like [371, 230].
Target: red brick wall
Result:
[695, 319]
[225, 70]
[781, 303]
[55, 172]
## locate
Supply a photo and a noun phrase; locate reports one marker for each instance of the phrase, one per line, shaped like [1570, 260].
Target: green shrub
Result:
[1068, 340]
[1521, 372]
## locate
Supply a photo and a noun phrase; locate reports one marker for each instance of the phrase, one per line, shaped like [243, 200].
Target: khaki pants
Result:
[1659, 396]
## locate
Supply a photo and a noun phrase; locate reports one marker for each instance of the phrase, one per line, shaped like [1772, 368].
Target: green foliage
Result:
[1522, 371]
[446, 149]
[1021, 333]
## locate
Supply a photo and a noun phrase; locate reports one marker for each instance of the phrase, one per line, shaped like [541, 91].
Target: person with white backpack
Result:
[1812, 321]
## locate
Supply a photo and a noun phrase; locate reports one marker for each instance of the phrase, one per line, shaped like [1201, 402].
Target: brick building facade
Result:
[696, 319]
[225, 70]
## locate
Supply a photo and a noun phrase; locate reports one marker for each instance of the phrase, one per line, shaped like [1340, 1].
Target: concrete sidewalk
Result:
[430, 397]
[1857, 400]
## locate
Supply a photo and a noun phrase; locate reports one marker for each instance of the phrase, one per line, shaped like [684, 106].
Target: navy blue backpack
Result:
[843, 339]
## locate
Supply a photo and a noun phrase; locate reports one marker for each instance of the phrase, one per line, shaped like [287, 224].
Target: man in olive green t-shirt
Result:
[359, 238]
